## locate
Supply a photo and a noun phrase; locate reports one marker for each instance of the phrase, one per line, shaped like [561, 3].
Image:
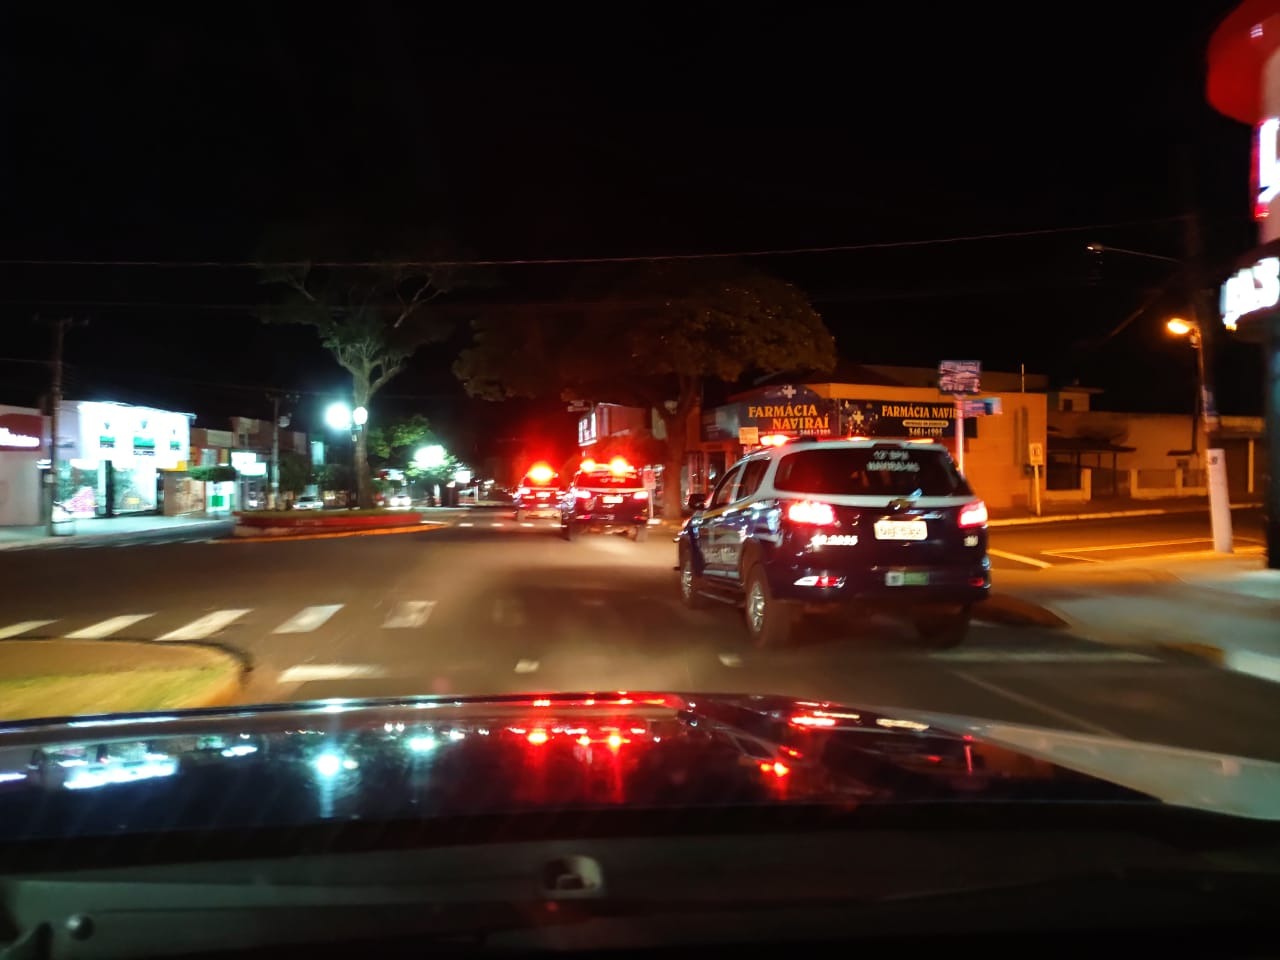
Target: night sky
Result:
[712, 128]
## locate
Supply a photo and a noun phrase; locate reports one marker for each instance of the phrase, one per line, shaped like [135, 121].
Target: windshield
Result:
[854, 406]
[887, 472]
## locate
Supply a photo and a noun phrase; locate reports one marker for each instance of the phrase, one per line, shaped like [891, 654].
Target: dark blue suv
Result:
[820, 526]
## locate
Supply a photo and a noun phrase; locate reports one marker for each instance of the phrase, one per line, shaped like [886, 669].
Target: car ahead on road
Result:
[823, 526]
[308, 503]
[605, 497]
[539, 493]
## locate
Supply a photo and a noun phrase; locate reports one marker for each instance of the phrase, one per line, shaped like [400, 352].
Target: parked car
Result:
[308, 503]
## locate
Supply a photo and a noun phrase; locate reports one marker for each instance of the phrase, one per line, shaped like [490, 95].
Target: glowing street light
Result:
[429, 458]
[360, 416]
[338, 416]
[1179, 327]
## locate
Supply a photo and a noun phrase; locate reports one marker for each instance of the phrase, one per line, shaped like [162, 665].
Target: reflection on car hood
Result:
[425, 758]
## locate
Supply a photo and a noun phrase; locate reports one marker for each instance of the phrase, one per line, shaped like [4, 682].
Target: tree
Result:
[650, 337]
[295, 472]
[399, 439]
[213, 474]
[371, 320]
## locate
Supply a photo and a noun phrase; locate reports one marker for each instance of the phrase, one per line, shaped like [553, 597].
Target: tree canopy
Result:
[650, 336]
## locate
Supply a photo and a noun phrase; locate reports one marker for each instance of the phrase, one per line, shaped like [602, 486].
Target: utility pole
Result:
[1215, 458]
[51, 478]
[273, 501]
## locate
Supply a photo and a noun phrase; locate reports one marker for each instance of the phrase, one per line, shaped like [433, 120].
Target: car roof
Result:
[813, 443]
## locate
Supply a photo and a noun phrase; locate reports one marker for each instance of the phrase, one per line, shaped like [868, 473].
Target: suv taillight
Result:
[583, 494]
[811, 511]
[973, 514]
[640, 495]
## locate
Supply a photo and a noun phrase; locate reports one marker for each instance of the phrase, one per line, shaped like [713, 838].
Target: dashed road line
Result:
[308, 619]
[410, 613]
[107, 627]
[527, 666]
[25, 626]
[205, 626]
[308, 672]
[1018, 558]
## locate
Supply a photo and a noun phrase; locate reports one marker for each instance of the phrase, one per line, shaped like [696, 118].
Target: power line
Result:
[585, 261]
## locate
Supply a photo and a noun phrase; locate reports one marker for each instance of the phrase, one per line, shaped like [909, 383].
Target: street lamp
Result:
[429, 458]
[338, 416]
[1215, 457]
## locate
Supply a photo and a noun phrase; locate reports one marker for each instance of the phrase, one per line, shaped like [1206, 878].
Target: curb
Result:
[1108, 515]
[221, 695]
[103, 539]
[1004, 608]
[334, 534]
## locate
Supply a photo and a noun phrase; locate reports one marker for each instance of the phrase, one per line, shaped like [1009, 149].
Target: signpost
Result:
[960, 378]
[1035, 457]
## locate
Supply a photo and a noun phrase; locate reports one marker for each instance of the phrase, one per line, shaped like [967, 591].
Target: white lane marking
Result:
[25, 626]
[410, 613]
[1018, 558]
[496, 523]
[308, 619]
[1039, 705]
[107, 627]
[1043, 656]
[526, 666]
[303, 673]
[1125, 546]
[525, 523]
[205, 626]
[731, 659]
[466, 523]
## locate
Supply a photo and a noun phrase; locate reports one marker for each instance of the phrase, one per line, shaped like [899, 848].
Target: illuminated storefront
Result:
[23, 449]
[1243, 83]
[112, 456]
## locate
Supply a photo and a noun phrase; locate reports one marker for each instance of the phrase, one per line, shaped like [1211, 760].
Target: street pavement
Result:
[1041, 545]
[488, 605]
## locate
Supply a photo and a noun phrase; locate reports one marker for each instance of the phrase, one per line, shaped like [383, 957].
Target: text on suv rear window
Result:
[855, 471]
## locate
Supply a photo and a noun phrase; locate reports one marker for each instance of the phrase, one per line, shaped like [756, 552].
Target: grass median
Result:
[67, 678]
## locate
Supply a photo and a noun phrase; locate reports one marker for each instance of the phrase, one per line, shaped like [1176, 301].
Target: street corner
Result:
[1009, 610]
[61, 677]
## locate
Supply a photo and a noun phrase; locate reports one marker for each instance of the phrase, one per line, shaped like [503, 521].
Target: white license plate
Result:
[612, 499]
[901, 530]
[543, 496]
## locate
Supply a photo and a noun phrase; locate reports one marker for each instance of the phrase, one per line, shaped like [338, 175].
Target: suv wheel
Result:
[689, 594]
[945, 629]
[769, 620]
[569, 531]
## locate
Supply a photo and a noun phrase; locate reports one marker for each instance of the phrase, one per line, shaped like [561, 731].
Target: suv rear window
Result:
[875, 471]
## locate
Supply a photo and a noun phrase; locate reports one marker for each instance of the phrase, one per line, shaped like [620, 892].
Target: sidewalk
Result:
[105, 530]
[1105, 509]
[1223, 608]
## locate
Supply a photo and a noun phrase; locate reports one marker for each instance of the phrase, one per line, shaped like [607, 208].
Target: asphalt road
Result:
[498, 607]
[1126, 538]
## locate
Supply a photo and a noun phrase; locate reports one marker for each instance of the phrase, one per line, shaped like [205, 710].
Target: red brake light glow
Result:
[640, 495]
[619, 465]
[973, 514]
[537, 736]
[583, 494]
[812, 511]
[587, 465]
[773, 439]
[541, 473]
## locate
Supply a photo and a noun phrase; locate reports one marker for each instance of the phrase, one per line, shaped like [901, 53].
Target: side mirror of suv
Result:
[696, 502]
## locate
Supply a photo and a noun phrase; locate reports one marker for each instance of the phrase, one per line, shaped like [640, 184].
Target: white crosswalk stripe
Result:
[26, 626]
[205, 626]
[107, 627]
[411, 613]
[308, 619]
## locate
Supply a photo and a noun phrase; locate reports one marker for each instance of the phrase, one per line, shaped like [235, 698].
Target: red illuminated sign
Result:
[21, 431]
[1266, 167]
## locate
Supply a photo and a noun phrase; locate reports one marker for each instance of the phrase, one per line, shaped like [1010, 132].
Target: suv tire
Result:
[689, 595]
[769, 621]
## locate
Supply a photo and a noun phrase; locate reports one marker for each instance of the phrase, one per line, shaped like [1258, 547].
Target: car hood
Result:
[426, 758]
